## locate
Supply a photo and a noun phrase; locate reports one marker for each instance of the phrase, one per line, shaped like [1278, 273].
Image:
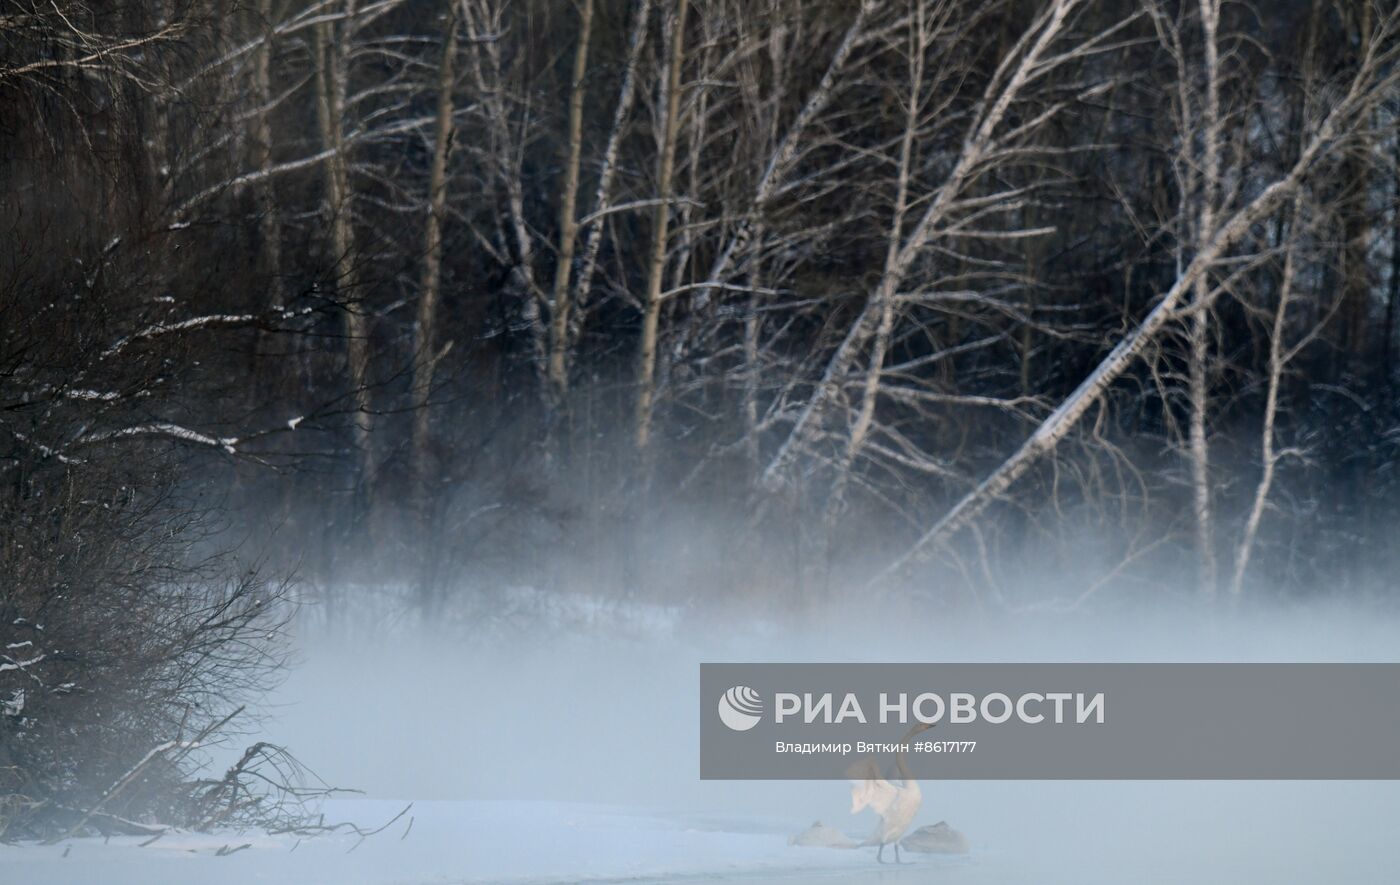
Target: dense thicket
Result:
[682, 298]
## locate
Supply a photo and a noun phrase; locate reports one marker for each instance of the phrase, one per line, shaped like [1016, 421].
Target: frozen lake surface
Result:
[460, 842]
[570, 758]
[532, 843]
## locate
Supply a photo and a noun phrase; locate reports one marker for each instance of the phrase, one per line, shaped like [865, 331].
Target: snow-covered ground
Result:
[570, 755]
[533, 843]
[459, 842]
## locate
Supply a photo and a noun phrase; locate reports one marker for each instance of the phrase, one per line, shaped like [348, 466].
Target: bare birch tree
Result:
[1199, 363]
[426, 354]
[502, 152]
[1374, 81]
[603, 196]
[1280, 353]
[334, 45]
[269, 222]
[562, 297]
[921, 37]
[661, 221]
[995, 138]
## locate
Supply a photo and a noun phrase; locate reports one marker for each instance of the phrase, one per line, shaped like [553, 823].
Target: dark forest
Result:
[732, 305]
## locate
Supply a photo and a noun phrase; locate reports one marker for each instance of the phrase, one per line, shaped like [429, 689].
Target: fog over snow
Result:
[555, 755]
[400, 401]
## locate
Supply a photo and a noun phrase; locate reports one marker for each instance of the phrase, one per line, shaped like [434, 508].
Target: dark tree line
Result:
[685, 298]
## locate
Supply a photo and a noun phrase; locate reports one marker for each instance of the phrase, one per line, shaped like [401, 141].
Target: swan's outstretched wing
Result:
[869, 788]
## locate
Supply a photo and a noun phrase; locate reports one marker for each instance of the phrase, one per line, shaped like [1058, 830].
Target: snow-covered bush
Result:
[129, 632]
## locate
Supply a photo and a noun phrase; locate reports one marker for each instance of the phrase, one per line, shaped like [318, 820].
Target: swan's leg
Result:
[896, 855]
[880, 854]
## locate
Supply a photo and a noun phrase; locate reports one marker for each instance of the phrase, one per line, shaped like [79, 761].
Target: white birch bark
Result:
[1026, 61]
[1198, 365]
[602, 199]
[560, 301]
[1268, 456]
[1363, 91]
[780, 161]
[485, 22]
[425, 345]
[269, 226]
[333, 45]
[869, 393]
[656, 264]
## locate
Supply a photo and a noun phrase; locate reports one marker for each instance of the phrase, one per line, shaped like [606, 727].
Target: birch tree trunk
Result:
[485, 20]
[602, 199]
[1362, 93]
[1026, 62]
[560, 302]
[1268, 457]
[777, 165]
[1356, 227]
[656, 264]
[869, 394]
[781, 160]
[1392, 301]
[269, 226]
[158, 105]
[425, 356]
[333, 46]
[753, 329]
[1199, 368]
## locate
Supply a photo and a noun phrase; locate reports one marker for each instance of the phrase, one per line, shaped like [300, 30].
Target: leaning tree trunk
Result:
[1268, 454]
[983, 141]
[603, 195]
[870, 388]
[1362, 93]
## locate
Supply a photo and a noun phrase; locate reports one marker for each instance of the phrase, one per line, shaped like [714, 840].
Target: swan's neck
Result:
[902, 763]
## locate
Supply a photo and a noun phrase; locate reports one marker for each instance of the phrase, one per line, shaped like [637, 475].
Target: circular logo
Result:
[740, 708]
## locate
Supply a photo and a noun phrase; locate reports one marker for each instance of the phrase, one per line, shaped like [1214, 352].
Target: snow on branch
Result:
[201, 322]
[166, 429]
[13, 664]
[159, 329]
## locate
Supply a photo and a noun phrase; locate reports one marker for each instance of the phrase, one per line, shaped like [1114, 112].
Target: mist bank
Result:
[608, 718]
[548, 713]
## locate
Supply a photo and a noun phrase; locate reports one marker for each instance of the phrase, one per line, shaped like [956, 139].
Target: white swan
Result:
[895, 804]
